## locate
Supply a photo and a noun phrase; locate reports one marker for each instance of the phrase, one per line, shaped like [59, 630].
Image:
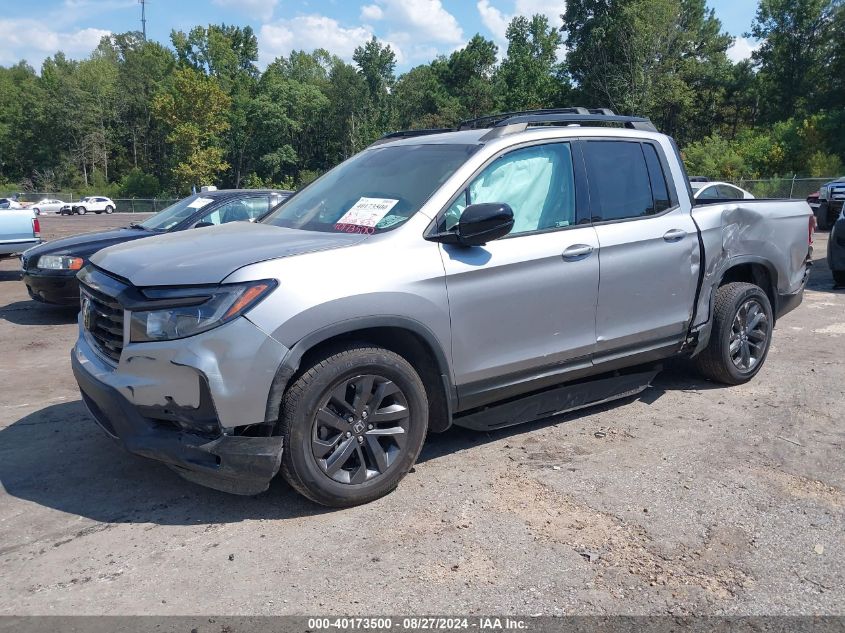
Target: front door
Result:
[522, 307]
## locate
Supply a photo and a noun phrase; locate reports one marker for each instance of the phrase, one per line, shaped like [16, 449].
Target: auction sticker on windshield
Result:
[366, 213]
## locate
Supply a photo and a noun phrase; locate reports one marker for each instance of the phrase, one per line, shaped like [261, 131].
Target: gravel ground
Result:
[696, 499]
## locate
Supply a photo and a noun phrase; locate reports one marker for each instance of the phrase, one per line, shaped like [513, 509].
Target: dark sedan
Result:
[49, 270]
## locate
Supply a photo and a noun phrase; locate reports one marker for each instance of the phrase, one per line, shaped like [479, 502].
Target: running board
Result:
[559, 400]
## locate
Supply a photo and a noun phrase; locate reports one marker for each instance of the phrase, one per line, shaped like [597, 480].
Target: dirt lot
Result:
[697, 499]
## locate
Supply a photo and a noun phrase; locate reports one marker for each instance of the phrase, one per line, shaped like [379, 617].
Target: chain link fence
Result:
[796, 188]
[142, 205]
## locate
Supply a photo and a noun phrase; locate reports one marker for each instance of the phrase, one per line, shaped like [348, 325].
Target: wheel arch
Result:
[752, 270]
[407, 337]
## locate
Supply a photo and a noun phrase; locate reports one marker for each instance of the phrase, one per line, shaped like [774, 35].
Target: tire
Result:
[109, 209]
[717, 361]
[80, 210]
[339, 463]
[839, 277]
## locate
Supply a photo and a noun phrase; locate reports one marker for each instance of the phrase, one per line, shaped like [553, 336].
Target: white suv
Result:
[97, 204]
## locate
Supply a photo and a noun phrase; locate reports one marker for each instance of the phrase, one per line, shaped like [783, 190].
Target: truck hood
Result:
[210, 254]
[87, 243]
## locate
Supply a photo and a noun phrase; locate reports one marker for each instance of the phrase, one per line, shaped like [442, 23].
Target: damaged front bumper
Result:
[172, 402]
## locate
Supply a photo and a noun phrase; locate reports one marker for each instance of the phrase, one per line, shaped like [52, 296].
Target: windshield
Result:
[374, 191]
[167, 218]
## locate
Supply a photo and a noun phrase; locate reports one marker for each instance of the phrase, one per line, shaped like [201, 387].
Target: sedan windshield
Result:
[167, 218]
[374, 191]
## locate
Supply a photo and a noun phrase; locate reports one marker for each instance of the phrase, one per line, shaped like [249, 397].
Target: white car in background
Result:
[97, 204]
[718, 191]
[10, 203]
[47, 205]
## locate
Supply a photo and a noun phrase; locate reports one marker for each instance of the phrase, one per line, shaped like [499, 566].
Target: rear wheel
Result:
[839, 277]
[353, 425]
[741, 335]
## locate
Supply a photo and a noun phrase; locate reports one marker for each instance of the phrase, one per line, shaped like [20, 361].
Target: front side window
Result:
[726, 191]
[619, 179]
[374, 191]
[537, 182]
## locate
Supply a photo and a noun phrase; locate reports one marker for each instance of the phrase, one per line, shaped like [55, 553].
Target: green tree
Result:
[660, 58]
[195, 111]
[528, 72]
[793, 59]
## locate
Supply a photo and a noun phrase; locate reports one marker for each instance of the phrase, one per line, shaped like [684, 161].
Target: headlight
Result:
[185, 312]
[60, 262]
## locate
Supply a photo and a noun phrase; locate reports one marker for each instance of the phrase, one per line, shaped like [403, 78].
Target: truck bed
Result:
[773, 233]
[17, 231]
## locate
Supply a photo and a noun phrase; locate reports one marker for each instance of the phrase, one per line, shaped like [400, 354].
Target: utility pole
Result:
[143, 18]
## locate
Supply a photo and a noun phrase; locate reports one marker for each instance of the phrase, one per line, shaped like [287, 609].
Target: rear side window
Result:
[659, 189]
[709, 193]
[726, 191]
[619, 179]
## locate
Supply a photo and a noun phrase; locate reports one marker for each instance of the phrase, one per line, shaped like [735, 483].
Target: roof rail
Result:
[512, 122]
[491, 120]
[392, 136]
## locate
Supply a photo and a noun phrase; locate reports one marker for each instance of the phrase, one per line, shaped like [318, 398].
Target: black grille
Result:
[103, 318]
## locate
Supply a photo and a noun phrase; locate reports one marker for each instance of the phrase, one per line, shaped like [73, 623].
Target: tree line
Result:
[138, 118]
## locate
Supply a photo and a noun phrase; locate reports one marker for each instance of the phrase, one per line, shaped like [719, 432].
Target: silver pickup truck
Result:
[19, 230]
[523, 266]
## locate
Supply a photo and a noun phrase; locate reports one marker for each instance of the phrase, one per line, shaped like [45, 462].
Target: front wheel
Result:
[839, 277]
[81, 210]
[741, 335]
[353, 425]
[109, 209]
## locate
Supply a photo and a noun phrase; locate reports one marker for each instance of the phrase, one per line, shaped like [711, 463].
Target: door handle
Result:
[675, 235]
[577, 252]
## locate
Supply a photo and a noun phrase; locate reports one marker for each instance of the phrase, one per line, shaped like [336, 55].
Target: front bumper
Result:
[174, 412]
[57, 288]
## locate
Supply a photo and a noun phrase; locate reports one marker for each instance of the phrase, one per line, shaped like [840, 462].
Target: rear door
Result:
[648, 248]
[523, 307]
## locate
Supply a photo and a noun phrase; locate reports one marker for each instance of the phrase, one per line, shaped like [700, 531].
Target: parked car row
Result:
[97, 204]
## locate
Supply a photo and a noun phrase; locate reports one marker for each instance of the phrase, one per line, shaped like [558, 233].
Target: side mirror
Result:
[479, 224]
[199, 225]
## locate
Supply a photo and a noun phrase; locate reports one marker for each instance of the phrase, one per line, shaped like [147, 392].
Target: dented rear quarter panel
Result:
[769, 232]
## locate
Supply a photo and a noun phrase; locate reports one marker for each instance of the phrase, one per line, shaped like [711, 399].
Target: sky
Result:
[417, 30]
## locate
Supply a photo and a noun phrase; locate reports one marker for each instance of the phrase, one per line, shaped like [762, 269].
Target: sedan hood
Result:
[87, 243]
[208, 255]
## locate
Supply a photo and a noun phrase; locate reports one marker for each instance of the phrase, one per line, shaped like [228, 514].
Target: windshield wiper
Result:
[135, 225]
